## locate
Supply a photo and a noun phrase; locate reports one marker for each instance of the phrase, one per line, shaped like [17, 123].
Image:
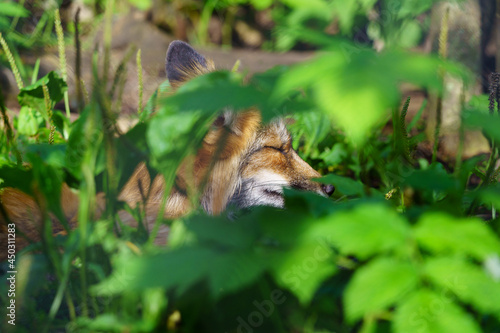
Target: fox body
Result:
[241, 162]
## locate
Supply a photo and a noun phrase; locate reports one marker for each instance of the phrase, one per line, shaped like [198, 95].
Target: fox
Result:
[241, 162]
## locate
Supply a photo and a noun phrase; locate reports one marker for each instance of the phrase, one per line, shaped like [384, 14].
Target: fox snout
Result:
[328, 189]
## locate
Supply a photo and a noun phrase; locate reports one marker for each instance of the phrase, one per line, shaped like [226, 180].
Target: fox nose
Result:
[328, 189]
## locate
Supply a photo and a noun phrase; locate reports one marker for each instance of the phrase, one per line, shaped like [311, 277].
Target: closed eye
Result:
[281, 150]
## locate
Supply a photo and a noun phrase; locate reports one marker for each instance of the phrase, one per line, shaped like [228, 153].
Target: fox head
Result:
[247, 163]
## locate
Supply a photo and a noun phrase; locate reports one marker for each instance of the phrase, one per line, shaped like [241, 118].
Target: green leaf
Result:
[173, 135]
[378, 285]
[489, 123]
[132, 149]
[414, 8]
[198, 94]
[85, 135]
[33, 97]
[225, 271]
[434, 178]
[469, 282]
[29, 121]
[303, 269]
[48, 180]
[141, 4]
[426, 311]
[220, 232]
[410, 34]
[368, 230]
[335, 156]
[313, 127]
[357, 86]
[13, 9]
[21, 179]
[261, 4]
[440, 232]
[344, 185]
[53, 155]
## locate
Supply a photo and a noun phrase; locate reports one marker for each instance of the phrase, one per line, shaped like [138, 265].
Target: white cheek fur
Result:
[265, 188]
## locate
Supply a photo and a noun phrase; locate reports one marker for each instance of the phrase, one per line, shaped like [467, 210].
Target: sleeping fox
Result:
[241, 162]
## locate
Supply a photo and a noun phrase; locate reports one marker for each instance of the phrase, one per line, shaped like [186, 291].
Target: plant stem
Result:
[443, 52]
[12, 62]
[108, 16]
[206, 14]
[141, 83]
[78, 62]
[62, 57]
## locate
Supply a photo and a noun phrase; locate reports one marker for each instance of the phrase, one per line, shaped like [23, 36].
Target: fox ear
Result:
[184, 63]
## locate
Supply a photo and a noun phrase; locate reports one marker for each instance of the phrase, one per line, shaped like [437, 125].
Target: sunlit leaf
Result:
[440, 232]
[368, 230]
[357, 87]
[141, 4]
[378, 285]
[29, 121]
[469, 282]
[430, 312]
[13, 9]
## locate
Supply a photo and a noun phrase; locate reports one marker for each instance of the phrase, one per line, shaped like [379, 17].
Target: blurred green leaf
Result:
[198, 94]
[368, 230]
[356, 86]
[32, 95]
[335, 156]
[378, 285]
[84, 135]
[13, 176]
[313, 127]
[29, 121]
[441, 233]
[173, 135]
[224, 271]
[303, 269]
[488, 123]
[344, 185]
[13, 9]
[48, 180]
[261, 4]
[434, 178]
[414, 8]
[430, 312]
[141, 4]
[466, 280]
[132, 148]
[410, 34]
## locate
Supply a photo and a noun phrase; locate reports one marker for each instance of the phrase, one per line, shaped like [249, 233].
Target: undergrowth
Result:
[408, 243]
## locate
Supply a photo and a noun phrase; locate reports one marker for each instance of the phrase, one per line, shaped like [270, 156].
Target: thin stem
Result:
[62, 56]
[141, 83]
[48, 109]
[12, 62]
[78, 62]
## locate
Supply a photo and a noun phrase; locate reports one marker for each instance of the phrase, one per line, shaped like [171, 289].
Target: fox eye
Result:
[280, 149]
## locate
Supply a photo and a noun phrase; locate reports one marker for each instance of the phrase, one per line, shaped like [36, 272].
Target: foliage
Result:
[405, 245]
